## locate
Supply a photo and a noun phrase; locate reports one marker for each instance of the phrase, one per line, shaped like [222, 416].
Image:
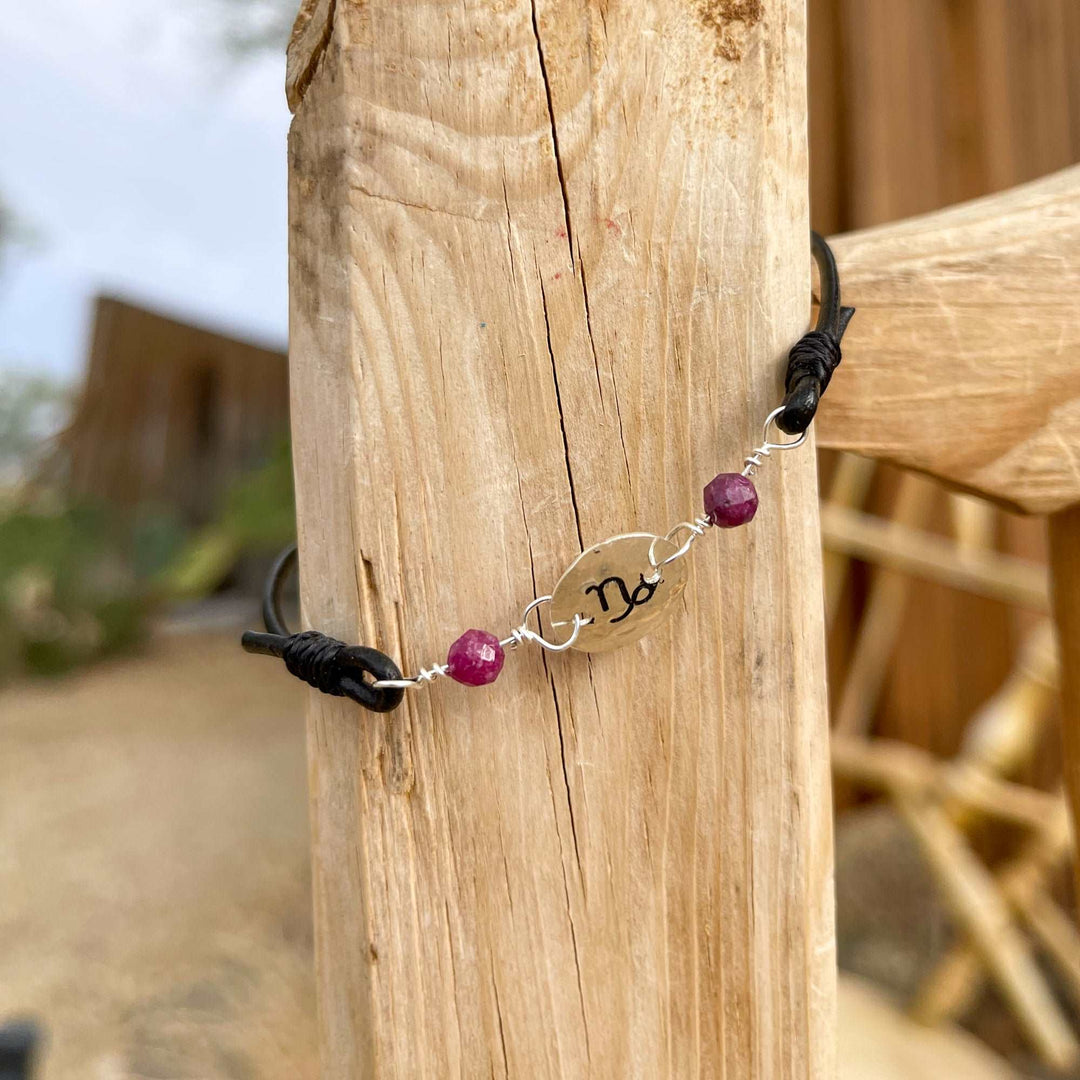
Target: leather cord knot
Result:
[315, 657]
[323, 662]
[816, 355]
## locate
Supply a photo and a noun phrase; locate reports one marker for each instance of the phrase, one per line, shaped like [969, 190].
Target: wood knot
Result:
[729, 20]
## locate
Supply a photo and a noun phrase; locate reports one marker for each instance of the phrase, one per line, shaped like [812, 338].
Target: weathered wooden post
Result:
[546, 262]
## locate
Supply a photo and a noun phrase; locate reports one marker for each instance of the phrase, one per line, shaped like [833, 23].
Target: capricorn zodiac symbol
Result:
[642, 594]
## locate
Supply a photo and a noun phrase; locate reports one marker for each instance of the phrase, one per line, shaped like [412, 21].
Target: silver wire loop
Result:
[694, 529]
[411, 682]
[753, 460]
[523, 633]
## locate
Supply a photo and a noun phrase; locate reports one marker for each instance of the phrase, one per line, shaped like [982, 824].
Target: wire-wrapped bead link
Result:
[694, 528]
[517, 636]
[753, 459]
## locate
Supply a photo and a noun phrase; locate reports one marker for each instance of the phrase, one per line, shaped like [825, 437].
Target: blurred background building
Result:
[169, 413]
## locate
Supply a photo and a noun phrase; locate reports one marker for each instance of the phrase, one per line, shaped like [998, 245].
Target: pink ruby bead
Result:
[475, 659]
[730, 500]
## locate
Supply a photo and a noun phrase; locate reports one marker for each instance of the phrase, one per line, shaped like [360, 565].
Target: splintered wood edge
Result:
[307, 43]
[947, 370]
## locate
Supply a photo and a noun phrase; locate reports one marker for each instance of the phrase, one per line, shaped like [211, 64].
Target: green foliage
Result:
[77, 581]
[67, 590]
[157, 537]
[15, 232]
[256, 26]
[8, 224]
[257, 518]
[259, 511]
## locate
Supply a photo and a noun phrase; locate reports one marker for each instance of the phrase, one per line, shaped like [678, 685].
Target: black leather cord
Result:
[321, 661]
[816, 355]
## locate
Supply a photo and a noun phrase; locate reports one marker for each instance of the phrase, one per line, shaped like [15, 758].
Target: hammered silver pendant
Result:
[619, 590]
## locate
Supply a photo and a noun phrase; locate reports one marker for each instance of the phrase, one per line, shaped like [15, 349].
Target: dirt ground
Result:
[154, 885]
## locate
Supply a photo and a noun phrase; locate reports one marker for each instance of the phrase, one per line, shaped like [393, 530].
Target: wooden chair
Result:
[1000, 914]
[545, 261]
[973, 377]
[983, 258]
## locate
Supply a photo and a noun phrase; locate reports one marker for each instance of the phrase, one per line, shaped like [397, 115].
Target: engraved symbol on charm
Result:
[614, 588]
[630, 599]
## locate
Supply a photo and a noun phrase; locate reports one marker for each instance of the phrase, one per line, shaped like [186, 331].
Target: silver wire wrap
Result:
[753, 461]
[523, 633]
[695, 528]
[700, 524]
[410, 682]
[517, 636]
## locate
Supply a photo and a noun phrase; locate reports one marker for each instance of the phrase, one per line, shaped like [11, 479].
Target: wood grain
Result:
[964, 358]
[545, 264]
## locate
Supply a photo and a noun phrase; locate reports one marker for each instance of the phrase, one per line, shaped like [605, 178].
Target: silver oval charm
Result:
[613, 585]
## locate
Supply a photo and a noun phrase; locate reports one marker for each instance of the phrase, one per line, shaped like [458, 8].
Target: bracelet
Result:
[614, 592]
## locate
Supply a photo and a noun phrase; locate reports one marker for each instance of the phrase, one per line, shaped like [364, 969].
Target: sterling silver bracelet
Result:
[614, 592]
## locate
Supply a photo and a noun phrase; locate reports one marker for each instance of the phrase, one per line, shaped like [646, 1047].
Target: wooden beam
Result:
[964, 359]
[969, 891]
[1064, 529]
[926, 555]
[964, 363]
[953, 985]
[880, 625]
[899, 767]
[546, 262]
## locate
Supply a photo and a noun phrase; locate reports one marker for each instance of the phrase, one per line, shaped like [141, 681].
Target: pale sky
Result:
[150, 165]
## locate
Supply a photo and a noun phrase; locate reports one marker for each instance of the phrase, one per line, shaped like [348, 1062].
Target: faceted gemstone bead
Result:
[476, 658]
[730, 500]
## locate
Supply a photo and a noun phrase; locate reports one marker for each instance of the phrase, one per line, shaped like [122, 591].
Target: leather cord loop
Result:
[322, 661]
